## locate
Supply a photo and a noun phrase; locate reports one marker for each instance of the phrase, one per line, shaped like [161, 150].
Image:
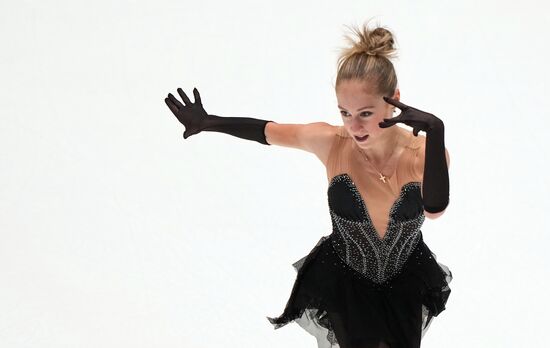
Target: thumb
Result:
[385, 123]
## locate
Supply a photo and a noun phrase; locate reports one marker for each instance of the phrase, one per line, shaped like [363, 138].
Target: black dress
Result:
[357, 290]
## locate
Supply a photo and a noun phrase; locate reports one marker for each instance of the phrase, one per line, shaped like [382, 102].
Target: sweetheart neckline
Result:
[351, 185]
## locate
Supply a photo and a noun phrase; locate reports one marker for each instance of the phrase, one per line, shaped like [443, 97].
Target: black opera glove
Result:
[418, 119]
[435, 183]
[196, 119]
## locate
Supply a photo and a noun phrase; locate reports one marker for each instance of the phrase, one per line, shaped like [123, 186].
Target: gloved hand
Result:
[435, 183]
[196, 119]
[191, 115]
[418, 119]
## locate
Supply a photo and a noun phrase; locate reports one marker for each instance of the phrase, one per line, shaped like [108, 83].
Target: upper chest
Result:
[355, 190]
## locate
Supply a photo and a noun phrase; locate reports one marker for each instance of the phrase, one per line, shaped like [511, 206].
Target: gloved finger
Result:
[396, 103]
[171, 105]
[175, 101]
[385, 124]
[197, 96]
[188, 132]
[392, 120]
[184, 97]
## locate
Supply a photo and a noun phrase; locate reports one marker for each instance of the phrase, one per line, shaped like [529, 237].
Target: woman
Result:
[372, 282]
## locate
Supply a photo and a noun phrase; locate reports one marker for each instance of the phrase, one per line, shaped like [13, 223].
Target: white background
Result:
[117, 232]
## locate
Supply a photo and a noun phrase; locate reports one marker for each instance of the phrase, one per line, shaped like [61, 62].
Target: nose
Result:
[356, 124]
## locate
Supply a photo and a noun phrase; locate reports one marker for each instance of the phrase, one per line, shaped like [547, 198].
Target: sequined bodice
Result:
[357, 242]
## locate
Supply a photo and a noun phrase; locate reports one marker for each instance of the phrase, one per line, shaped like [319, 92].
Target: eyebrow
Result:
[364, 107]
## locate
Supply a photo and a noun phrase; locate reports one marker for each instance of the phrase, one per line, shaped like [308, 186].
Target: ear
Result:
[397, 94]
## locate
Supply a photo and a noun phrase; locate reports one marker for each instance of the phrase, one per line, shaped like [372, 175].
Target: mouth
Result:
[360, 139]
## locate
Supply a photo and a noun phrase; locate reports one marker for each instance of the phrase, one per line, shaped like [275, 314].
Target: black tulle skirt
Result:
[342, 308]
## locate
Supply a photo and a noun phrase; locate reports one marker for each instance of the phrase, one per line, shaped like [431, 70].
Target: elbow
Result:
[433, 216]
[433, 212]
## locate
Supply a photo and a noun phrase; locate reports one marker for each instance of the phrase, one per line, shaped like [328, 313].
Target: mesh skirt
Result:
[342, 308]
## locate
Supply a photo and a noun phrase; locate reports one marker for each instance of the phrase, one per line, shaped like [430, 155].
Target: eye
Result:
[364, 113]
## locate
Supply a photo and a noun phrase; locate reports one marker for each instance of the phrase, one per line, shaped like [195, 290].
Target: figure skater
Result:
[371, 282]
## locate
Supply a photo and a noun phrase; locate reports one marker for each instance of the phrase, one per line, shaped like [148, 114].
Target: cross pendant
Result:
[382, 177]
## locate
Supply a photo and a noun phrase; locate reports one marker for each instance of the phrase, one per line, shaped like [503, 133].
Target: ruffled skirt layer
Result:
[342, 308]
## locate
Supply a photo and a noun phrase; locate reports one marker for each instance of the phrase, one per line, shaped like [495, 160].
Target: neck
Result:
[383, 146]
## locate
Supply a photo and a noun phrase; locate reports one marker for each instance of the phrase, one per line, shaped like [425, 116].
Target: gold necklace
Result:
[382, 177]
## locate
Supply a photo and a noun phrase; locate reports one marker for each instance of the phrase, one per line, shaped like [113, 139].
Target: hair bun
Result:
[372, 42]
[368, 59]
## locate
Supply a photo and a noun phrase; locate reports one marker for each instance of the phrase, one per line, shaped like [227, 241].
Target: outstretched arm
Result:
[312, 137]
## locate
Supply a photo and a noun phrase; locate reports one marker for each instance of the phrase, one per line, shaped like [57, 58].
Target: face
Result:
[362, 109]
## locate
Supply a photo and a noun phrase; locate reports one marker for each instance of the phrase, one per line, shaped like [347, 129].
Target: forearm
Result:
[243, 127]
[435, 183]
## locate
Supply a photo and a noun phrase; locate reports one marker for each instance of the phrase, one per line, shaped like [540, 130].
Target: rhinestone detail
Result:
[358, 244]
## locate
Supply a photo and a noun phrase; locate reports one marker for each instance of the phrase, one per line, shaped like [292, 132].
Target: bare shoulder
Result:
[418, 142]
[315, 137]
[319, 139]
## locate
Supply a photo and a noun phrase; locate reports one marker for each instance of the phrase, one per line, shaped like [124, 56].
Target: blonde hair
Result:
[368, 59]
